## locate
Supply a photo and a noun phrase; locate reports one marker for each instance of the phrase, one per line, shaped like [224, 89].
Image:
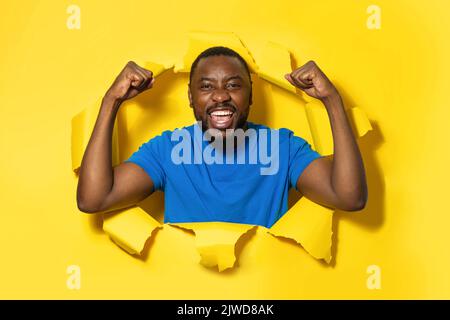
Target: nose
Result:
[221, 95]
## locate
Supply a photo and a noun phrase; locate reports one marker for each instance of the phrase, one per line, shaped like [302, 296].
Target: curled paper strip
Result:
[321, 129]
[215, 241]
[359, 120]
[156, 68]
[82, 125]
[130, 229]
[274, 63]
[200, 41]
[308, 223]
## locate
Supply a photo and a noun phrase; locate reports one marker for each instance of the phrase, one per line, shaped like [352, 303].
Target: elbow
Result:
[354, 204]
[86, 207]
[86, 203]
[357, 205]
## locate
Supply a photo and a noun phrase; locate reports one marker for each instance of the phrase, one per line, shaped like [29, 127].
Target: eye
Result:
[234, 85]
[206, 86]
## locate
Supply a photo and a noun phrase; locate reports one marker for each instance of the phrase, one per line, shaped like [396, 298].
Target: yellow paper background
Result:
[397, 75]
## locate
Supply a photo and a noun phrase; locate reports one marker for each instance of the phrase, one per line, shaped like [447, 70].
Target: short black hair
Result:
[218, 51]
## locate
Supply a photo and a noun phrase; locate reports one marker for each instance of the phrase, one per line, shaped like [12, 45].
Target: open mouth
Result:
[221, 118]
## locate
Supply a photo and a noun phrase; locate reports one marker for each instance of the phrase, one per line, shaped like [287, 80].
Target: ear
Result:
[251, 94]
[191, 103]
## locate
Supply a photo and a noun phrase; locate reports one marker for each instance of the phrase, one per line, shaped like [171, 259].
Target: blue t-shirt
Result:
[202, 183]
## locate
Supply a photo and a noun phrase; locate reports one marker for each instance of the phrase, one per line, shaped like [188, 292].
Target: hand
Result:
[312, 80]
[131, 81]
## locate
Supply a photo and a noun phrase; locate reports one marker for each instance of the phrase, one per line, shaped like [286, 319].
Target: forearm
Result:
[96, 173]
[347, 175]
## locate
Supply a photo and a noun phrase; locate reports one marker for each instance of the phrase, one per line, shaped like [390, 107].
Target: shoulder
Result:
[163, 142]
[285, 135]
[166, 136]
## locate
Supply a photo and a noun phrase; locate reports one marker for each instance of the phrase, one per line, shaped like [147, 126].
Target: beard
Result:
[238, 121]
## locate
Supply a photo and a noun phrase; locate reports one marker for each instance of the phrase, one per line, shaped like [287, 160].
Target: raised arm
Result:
[101, 187]
[336, 181]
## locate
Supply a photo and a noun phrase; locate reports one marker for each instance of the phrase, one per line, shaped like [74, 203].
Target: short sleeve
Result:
[150, 157]
[300, 156]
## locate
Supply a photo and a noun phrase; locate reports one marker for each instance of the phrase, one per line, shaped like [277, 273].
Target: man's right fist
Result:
[131, 81]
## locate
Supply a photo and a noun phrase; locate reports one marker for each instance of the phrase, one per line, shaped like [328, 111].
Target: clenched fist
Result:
[131, 81]
[313, 81]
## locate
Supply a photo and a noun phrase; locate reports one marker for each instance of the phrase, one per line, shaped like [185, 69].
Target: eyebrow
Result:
[226, 79]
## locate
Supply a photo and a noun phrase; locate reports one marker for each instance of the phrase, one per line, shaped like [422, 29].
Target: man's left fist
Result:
[312, 80]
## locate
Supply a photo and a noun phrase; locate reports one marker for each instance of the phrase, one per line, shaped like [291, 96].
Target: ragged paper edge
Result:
[316, 238]
[320, 127]
[274, 63]
[202, 40]
[157, 68]
[360, 123]
[308, 224]
[82, 126]
[216, 241]
[130, 229]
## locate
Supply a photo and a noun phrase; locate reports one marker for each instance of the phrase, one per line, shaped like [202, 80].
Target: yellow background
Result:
[398, 75]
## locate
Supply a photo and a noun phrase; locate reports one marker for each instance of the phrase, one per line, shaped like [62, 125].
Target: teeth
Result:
[222, 113]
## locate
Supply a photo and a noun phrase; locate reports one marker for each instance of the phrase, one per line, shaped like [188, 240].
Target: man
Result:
[220, 93]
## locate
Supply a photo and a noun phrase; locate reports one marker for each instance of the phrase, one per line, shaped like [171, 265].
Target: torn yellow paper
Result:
[130, 229]
[274, 63]
[319, 123]
[156, 68]
[200, 41]
[359, 120]
[82, 125]
[310, 225]
[216, 241]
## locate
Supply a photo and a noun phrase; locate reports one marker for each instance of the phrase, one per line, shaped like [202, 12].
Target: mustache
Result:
[225, 105]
